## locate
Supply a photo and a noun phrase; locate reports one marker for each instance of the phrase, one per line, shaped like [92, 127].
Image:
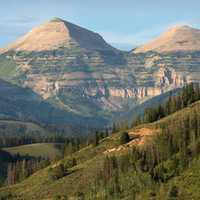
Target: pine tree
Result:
[124, 138]
[173, 192]
[23, 171]
[96, 139]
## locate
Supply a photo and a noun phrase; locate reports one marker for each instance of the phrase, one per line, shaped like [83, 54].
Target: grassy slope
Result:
[7, 68]
[189, 182]
[39, 186]
[10, 127]
[36, 150]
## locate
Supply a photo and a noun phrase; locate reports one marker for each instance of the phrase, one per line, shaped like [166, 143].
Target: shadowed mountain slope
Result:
[22, 104]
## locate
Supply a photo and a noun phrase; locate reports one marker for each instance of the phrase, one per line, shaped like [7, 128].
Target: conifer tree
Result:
[124, 138]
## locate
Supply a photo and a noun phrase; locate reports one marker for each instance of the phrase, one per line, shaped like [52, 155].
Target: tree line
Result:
[21, 169]
[189, 94]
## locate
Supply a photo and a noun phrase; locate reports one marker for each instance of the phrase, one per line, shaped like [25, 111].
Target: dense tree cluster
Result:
[10, 141]
[177, 144]
[76, 142]
[188, 95]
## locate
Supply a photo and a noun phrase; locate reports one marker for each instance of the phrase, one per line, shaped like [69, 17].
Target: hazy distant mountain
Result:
[19, 105]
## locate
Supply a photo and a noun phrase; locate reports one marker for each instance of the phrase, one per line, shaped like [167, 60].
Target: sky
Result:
[123, 23]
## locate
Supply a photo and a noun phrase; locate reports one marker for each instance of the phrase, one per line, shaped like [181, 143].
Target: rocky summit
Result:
[58, 33]
[179, 38]
[75, 68]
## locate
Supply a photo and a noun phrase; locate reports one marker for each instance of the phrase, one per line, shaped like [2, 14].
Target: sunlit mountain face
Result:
[78, 71]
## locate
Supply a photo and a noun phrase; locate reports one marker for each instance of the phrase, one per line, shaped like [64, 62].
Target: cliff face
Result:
[77, 70]
[158, 73]
[168, 62]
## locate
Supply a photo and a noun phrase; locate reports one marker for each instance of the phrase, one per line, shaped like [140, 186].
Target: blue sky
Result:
[123, 23]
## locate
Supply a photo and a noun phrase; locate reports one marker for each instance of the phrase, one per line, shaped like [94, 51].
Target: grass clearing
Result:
[51, 150]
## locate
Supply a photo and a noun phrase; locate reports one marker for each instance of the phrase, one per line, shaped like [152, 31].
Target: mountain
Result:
[179, 38]
[59, 33]
[76, 70]
[68, 65]
[167, 63]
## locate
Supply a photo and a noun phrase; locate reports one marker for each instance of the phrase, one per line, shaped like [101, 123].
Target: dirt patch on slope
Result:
[139, 137]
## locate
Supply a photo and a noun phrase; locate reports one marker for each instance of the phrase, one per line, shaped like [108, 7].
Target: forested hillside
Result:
[153, 160]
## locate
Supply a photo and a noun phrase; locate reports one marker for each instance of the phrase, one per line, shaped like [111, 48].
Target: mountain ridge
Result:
[85, 76]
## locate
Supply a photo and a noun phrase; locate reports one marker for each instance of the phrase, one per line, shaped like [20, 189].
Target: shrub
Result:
[57, 172]
[69, 163]
[173, 192]
[60, 197]
[124, 138]
[80, 196]
[5, 195]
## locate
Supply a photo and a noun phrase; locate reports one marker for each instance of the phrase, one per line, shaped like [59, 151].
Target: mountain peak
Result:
[59, 33]
[181, 27]
[178, 38]
[48, 36]
[56, 19]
